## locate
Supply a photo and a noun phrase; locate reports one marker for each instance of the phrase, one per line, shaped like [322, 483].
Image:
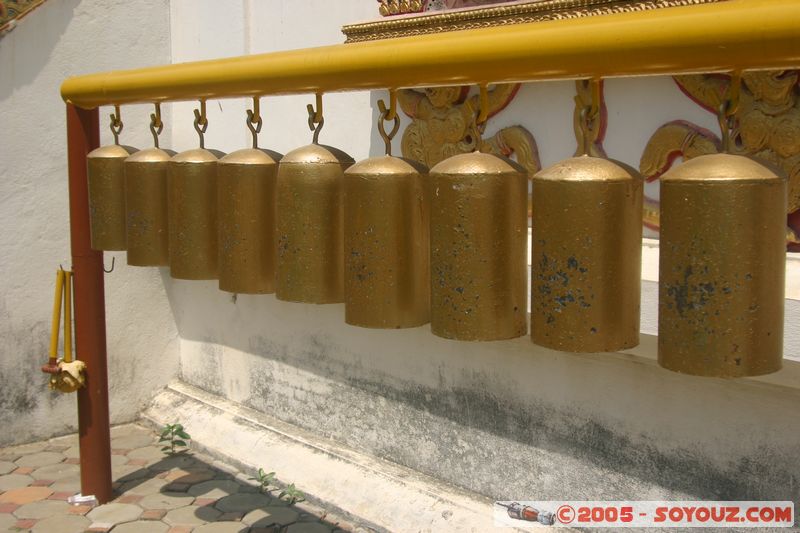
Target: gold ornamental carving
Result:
[499, 15]
[767, 128]
[443, 125]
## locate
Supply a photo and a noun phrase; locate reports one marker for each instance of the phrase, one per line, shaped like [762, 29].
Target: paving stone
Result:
[62, 524]
[114, 513]
[63, 496]
[7, 467]
[142, 526]
[270, 516]
[29, 448]
[41, 509]
[14, 481]
[216, 489]
[174, 461]
[309, 527]
[144, 487]
[180, 529]
[68, 484]
[221, 527]
[56, 472]
[166, 500]
[231, 517]
[153, 514]
[125, 473]
[80, 510]
[8, 508]
[24, 524]
[191, 515]
[6, 521]
[25, 495]
[190, 476]
[38, 459]
[118, 460]
[72, 453]
[129, 442]
[129, 498]
[243, 502]
[148, 453]
[24, 470]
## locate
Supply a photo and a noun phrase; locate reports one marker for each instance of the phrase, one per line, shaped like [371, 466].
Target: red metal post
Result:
[83, 135]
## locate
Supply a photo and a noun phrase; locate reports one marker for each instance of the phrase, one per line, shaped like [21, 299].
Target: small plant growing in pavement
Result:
[291, 494]
[175, 437]
[264, 479]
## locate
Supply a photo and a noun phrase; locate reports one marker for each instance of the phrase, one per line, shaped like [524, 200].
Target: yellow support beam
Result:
[723, 36]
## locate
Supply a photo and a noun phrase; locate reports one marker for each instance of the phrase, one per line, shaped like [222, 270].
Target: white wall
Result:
[60, 39]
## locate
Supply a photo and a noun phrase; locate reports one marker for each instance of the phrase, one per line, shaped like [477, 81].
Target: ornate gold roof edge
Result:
[405, 26]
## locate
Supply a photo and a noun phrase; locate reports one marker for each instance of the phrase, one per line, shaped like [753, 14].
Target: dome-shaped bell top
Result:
[251, 156]
[587, 168]
[150, 155]
[477, 163]
[317, 154]
[198, 155]
[386, 165]
[111, 151]
[725, 167]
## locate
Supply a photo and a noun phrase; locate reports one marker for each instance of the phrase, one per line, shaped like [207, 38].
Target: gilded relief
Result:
[767, 127]
[443, 125]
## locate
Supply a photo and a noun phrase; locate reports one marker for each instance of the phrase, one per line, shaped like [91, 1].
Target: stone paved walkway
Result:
[156, 493]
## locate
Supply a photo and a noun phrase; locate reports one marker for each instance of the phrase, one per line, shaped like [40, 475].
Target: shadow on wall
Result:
[496, 416]
[35, 38]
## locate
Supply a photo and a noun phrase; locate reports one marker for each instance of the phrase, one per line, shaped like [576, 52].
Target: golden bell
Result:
[386, 243]
[146, 207]
[246, 215]
[586, 256]
[192, 201]
[479, 234]
[106, 180]
[722, 268]
[310, 251]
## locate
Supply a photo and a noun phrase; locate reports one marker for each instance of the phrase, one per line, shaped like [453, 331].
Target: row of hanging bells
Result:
[402, 246]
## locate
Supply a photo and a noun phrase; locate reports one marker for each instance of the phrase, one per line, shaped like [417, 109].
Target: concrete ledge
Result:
[373, 492]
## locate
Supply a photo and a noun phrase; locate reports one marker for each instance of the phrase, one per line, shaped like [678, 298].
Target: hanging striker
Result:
[722, 268]
[309, 222]
[246, 211]
[106, 182]
[192, 201]
[586, 256]
[386, 240]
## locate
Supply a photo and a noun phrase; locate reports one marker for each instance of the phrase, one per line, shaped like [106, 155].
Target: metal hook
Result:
[587, 114]
[315, 118]
[116, 124]
[109, 271]
[201, 122]
[156, 126]
[384, 117]
[726, 113]
[254, 121]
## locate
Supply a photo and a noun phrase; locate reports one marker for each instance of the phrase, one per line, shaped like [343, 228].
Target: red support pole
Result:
[83, 135]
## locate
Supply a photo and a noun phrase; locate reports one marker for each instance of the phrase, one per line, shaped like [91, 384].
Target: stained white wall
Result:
[63, 38]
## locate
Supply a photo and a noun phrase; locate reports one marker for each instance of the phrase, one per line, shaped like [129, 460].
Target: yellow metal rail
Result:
[737, 34]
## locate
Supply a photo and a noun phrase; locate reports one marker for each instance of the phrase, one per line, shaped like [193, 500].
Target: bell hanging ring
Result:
[146, 212]
[386, 239]
[246, 210]
[106, 182]
[310, 252]
[192, 202]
